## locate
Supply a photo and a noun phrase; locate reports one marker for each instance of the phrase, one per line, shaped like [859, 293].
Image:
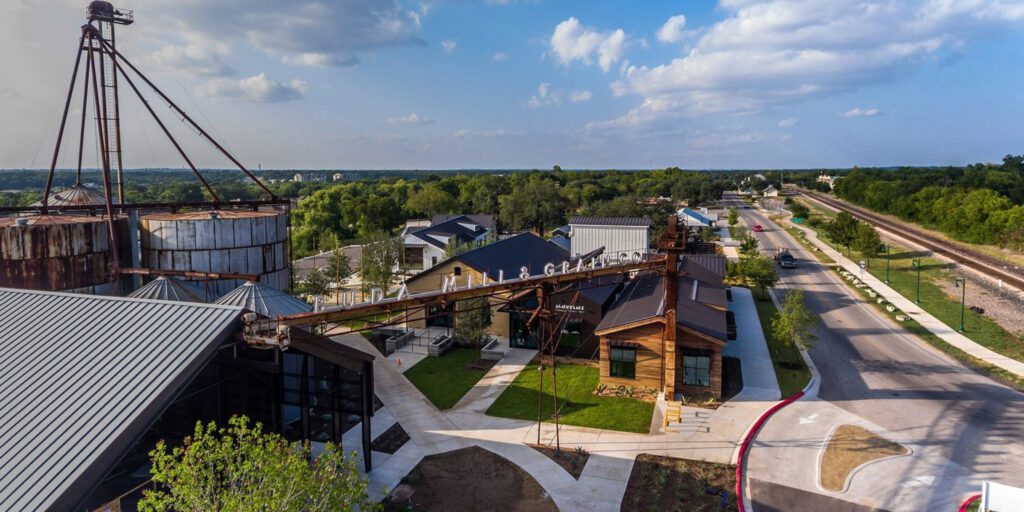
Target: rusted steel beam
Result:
[390, 305]
[114, 53]
[186, 273]
[63, 120]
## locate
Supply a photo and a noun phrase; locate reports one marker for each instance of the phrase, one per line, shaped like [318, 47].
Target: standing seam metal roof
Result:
[83, 376]
[610, 221]
[169, 288]
[264, 300]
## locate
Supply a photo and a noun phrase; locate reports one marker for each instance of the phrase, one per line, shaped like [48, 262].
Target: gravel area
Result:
[1000, 307]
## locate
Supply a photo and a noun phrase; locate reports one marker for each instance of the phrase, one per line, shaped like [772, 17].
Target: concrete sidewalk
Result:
[947, 333]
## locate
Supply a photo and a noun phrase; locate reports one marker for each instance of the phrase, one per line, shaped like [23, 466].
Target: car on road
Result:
[785, 259]
[758, 228]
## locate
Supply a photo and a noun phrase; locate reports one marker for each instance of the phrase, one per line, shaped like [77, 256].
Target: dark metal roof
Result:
[610, 221]
[480, 219]
[693, 263]
[449, 229]
[169, 288]
[700, 304]
[82, 378]
[523, 250]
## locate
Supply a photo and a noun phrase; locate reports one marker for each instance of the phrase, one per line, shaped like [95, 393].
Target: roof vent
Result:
[214, 215]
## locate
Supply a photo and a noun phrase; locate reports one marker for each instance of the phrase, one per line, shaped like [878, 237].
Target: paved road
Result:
[961, 427]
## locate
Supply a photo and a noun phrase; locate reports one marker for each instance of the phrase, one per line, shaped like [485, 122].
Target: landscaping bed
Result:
[577, 401]
[571, 460]
[469, 479]
[790, 369]
[446, 379]
[391, 440]
[667, 484]
[849, 448]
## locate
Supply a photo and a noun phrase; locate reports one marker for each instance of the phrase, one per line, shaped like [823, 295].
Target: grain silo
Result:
[60, 253]
[235, 242]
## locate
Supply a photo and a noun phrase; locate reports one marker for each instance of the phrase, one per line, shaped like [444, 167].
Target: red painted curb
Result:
[972, 499]
[750, 437]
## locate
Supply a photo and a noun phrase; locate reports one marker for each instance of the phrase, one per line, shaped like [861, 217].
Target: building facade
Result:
[616, 235]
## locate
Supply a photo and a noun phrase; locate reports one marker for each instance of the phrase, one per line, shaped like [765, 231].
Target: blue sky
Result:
[355, 84]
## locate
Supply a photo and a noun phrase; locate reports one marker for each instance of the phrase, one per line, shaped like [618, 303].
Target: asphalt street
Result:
[962, 427]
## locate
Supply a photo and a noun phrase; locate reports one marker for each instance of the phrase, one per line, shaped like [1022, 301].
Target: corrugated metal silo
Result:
[59, 253]
[237, 242]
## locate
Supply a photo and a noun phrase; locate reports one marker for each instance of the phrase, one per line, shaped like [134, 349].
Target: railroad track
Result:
[988, 265]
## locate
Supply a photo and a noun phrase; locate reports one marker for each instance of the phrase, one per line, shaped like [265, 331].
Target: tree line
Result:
[981, 203]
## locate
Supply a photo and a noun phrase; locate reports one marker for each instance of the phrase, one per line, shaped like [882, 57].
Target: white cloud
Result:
[499, 57]
[412, 119]
[321, 60]
[257, 89]
[788, 122]
[580, 96]
[571, 41]
[861, 112]
[194, 59]
[304, 32]
[672, 31]
[548, 97]
[449, 45]
[772, 52]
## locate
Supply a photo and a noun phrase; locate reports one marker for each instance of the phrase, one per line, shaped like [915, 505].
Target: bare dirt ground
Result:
[852, 446]
[571, 460]
[469, 480]
[667, 484]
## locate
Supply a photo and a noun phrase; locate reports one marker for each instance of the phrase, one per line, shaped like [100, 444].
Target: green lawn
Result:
[576, 384]
[445, 380]
[790, 369]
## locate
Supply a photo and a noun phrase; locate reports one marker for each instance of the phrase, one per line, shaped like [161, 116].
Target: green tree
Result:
[455, 248]
[430, 201]
[868, 241]
[760, 273]
[339, 268]
[843, 230]
[380, 261]
[472, 316]
[800, 210]
[796, 322]
[537, 204]
[749, 245]
[241, 468]
[318, 282]
[734, 216]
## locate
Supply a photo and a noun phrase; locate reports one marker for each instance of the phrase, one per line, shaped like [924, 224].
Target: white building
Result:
[337, 176]
[696, 220]
[830, 180]
[616, 234]
[297, 178]
[771, 191]
[425, 245]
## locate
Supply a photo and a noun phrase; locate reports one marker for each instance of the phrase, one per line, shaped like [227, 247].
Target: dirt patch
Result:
[391, 440]
[850, 447]
[480, 364]
[571, 460]
[1001, 306]
[667, 484]
[469, 479]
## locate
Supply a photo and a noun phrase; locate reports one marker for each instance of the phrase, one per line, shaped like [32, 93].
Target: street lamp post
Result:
[888, 258]
[917, 264]
[961, 282]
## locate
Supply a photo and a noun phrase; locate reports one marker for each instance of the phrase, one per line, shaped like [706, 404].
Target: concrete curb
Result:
[745, 446]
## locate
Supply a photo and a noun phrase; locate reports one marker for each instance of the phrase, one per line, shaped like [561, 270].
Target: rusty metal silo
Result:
[60, 253]
[237, 242]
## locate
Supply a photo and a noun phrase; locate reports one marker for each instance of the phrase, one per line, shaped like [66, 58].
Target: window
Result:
[622, 362]
[697, 371]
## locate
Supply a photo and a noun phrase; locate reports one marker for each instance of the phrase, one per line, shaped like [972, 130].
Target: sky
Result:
[464, 84]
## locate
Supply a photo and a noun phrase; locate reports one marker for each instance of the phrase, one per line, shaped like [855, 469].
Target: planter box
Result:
[902, 318]
[891, 309]
[439, 346]
[881, 300]
[398, 341]
[491, 351]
